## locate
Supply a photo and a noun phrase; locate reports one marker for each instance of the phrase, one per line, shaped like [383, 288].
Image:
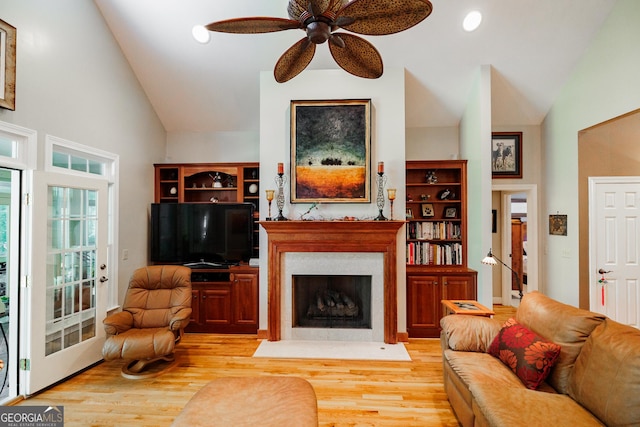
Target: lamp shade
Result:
[489, 259]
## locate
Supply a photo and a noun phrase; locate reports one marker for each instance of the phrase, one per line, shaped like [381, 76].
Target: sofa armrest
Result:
[468, 333]
[180, 320]
[118, 323]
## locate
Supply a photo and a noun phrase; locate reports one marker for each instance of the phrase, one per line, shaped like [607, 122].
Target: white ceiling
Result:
[532, 45]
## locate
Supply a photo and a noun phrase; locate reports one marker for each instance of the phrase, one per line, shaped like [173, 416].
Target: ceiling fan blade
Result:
[380, 17]
[254, 25]
[297, 8]
[358, 56]
[318, 6]
[294, 60]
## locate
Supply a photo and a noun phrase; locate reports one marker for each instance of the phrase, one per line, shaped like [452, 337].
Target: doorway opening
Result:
[516, 232]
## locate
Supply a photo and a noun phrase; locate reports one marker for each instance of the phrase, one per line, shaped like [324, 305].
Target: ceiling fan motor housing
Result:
[318, 31]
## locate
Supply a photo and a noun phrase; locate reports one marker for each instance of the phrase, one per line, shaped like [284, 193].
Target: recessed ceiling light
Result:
[201, 34]
[472, 21]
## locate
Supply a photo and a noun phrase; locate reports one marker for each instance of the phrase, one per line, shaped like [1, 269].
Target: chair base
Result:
[140, 369]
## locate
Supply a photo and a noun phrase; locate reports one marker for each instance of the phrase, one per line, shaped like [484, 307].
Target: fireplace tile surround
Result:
[333, 237]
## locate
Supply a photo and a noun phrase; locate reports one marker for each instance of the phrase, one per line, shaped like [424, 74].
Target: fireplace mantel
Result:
[332, 236]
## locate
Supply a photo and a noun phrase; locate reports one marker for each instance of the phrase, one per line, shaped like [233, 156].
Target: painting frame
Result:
[428, 211]
[450, 212]
[331, 151]
[8, 66]
[506, 155]
[558, 225]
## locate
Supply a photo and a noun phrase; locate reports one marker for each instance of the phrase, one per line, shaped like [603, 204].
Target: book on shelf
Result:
[430, 230]
[428, 253]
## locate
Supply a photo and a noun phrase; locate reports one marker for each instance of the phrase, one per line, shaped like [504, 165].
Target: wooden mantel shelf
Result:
[332, 236]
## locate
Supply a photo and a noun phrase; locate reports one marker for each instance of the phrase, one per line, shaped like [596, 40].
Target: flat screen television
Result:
[201, 234]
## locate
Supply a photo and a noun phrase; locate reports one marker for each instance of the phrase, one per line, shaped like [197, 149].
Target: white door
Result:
[614, 230]
[66, 292]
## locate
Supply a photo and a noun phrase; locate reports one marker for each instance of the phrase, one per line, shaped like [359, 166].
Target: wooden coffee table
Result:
[469, 307]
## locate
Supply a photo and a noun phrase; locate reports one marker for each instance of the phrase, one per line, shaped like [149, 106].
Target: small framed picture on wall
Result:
[506, 155]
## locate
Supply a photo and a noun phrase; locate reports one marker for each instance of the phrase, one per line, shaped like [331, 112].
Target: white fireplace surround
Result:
[332, 263]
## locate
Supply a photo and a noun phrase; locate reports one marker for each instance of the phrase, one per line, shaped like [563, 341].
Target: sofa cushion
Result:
[474, 368]
[520, 407]
[606, 377]
[567, 326]
[469, 333]
[528, 355]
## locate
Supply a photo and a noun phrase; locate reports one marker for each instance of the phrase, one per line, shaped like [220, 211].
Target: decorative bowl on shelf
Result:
[253, 188]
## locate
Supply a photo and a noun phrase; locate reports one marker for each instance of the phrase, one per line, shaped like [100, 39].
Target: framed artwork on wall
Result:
[506, 154]
[331, 151]
[7, 66]
[558, 225]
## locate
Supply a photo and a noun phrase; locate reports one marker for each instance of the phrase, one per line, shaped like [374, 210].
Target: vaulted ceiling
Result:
[532, 46]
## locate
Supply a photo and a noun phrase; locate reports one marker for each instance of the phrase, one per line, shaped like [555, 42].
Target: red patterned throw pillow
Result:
[528, 355]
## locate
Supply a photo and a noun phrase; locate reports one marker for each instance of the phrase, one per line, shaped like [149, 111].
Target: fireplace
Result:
[364, 268]
[331, 301]
[339, 247]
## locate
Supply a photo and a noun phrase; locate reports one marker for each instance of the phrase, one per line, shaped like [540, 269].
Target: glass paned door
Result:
[9, 277]
[71, 267]
[68, 292]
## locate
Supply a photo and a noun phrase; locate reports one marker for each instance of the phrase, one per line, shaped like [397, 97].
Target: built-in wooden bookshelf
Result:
[210, 183]
[436, 249]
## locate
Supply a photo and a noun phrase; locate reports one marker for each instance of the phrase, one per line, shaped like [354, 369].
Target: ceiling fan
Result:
[321, 19]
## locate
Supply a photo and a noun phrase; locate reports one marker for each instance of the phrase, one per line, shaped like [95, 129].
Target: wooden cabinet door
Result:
[517, 252]
[423, 305]
[216, 305]
[245, 299]
[459, 287]
[195, 307]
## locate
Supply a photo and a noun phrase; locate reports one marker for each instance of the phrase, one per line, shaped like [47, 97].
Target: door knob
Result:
[103, 266]
[602, 271]
[103, 279]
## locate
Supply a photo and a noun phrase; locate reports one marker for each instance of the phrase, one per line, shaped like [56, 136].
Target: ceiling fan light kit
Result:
[321, 19]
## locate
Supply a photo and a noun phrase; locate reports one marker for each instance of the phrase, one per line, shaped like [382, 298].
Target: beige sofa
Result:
[595, 380]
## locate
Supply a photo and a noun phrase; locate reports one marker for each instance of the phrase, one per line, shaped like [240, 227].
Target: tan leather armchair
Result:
[156, 309]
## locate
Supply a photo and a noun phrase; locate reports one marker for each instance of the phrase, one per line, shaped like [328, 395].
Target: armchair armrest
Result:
[180, 320]
[118, 323]
[468, 333]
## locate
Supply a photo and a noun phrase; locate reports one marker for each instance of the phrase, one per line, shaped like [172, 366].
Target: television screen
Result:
[198, 233]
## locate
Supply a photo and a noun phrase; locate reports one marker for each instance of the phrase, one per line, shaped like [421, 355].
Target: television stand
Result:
[225, 299]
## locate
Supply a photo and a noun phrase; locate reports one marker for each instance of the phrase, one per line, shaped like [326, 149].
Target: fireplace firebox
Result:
[331, 301]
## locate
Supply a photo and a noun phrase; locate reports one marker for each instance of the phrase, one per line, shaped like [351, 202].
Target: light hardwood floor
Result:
[349, 393]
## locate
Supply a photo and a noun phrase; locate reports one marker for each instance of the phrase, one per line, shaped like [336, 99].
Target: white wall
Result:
[66, 89]
[218, 147]
[604, 85]
[387, 145]
[433, 143]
